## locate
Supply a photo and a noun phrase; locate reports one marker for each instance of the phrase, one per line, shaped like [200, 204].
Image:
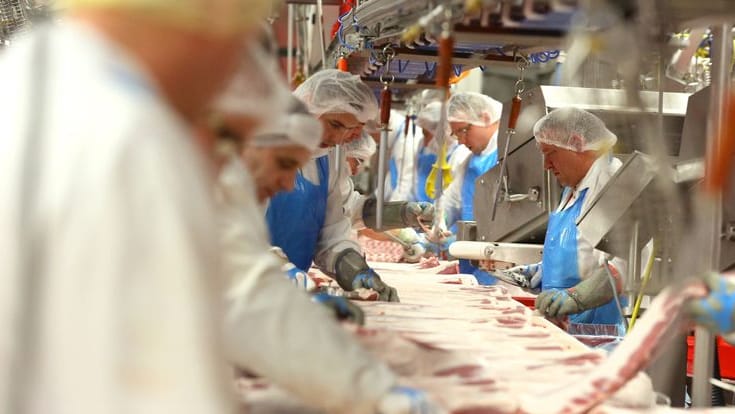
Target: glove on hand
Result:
[298, 277]
[526, 276]
[406, 400]
[368, 279]
[555, 303]
[343, 309]
[716, 311]
[415, 213]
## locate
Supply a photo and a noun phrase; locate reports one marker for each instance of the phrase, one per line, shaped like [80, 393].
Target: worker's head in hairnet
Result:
[359, 151]
[277, 151]
[428, 120]
[188, 48]
[342, 102]
[474, 119]
[215, 16]
[571, 140]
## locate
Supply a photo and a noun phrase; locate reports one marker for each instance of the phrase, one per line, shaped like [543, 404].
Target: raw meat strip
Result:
[631, 356]
[381, 251]
[428, 262]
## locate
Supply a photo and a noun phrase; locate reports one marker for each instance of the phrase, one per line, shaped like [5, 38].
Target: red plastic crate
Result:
[526, 300]
[727, 357]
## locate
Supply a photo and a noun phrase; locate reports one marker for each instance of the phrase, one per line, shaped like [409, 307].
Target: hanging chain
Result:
[388, 55]
[523, 63]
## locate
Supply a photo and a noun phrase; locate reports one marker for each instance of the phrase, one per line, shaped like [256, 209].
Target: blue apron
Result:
[424, 163]
[477, 165]
[295, 218]
[560, 268]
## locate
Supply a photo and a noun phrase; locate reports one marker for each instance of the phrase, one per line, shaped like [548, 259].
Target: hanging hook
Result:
[388, 55]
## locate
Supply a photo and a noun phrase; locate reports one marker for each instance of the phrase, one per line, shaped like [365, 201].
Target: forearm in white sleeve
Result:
[335, 236]
[275, 331]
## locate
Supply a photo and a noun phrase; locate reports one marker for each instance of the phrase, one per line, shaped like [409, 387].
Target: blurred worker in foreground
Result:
[572, 276]
[272, 329]
[110, 293]
[474, 119]
[309, 223]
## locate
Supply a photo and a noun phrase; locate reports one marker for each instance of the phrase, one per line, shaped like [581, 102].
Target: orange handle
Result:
[342, 64]
[719, 166]
[444, 71]
[385, 99]
[515, 110]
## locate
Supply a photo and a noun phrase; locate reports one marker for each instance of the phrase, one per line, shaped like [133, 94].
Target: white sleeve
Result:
[133, 300]
[459, 156]
[404, 154]
[450, 203]
[275, 331]
[336, 234]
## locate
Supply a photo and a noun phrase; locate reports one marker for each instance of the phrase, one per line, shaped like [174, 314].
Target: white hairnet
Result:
[560, 126]
[362, 148]
[257, 90]
[207, 15]
[334, 91]
[474, 108]
[296, 126]
[429, 117]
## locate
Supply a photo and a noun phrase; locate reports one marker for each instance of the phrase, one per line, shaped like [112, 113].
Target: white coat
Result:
[403, 150]
[125, 247]
[273, 329]
[450, 203]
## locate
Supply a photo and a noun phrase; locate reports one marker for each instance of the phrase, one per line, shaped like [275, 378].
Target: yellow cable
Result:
[644, 281]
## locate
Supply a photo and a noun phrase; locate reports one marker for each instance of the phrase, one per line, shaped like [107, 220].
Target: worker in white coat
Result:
[427, 162]
[110, 296]
[405, 139]
[272, 329]
[473, 119]
[310, 224]
[572, 276]
[426, 166]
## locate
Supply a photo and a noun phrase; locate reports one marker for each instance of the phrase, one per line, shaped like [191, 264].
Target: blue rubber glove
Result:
[368, 279]
[298, 277]
[343, 309]
[555, 303]
[407, 400]
[716, 312]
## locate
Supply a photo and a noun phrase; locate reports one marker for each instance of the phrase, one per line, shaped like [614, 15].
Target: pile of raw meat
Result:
[475, 350]
[381, 251]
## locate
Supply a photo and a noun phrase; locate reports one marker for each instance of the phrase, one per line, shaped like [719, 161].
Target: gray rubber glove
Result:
[343, 308]
[353, 272]
[590, 293]
[397, 214]
[368, 279]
